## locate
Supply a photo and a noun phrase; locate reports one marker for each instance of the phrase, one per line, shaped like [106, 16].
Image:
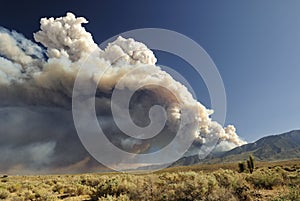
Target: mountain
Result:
[271, 148]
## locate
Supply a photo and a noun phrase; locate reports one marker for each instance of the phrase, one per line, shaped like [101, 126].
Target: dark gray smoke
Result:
[37, 132]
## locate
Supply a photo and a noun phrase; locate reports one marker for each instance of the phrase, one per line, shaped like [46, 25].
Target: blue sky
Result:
[254, 44]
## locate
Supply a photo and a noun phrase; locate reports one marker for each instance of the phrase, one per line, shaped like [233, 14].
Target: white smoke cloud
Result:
[128, 51]
[27, 79]
[66, 37]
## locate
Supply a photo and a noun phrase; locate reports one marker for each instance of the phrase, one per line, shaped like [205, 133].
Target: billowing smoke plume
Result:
[37, 132]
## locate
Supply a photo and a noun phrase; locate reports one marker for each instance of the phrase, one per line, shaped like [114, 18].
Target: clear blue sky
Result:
[255, 45]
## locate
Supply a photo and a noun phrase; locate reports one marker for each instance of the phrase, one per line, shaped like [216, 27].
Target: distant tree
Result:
[4, 176]
[250, 164]
[242, 166]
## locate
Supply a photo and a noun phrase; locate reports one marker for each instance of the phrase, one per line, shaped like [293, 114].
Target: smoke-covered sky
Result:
[254, 45]
[37, 86]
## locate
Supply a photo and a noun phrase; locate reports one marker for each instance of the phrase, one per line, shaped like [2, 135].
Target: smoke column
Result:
[37, 133]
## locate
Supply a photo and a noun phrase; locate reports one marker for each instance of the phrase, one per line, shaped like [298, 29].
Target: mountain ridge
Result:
[283, 146]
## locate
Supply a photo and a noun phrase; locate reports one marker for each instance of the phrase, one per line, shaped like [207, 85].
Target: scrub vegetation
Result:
[270, 181]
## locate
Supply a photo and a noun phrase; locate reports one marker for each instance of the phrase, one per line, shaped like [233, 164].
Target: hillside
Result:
[270, 148]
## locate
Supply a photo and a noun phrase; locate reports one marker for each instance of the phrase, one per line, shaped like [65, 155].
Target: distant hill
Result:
[271, 148]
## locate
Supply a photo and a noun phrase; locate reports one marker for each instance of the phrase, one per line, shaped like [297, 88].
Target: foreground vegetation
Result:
[277, 181]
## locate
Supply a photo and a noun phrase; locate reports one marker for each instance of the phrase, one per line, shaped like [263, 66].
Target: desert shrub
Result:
[4, 193]
[83, 190]
[108, 187]
[14, 188]
[225, 178]
[294, 179]
[50, 198]
[115, 198]
[188, 186]
[292, 195]
[58, 187]
[16, 198]
[72, 189]
[50, 182]
[167, 186]
[128, 186]
[242, 190]
[28, 195]
[44, 194]
[118, 185]
[90, 181]
[184, 183]
[27, 185]
[220, 194]
[265, 179]
[4, 180]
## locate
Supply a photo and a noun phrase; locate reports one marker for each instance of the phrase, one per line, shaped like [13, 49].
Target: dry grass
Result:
[276, 181]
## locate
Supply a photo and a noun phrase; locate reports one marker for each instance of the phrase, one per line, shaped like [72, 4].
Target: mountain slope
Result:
[274, 147]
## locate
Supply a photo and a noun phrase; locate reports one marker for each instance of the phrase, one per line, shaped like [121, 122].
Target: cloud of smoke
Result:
[36, 126]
